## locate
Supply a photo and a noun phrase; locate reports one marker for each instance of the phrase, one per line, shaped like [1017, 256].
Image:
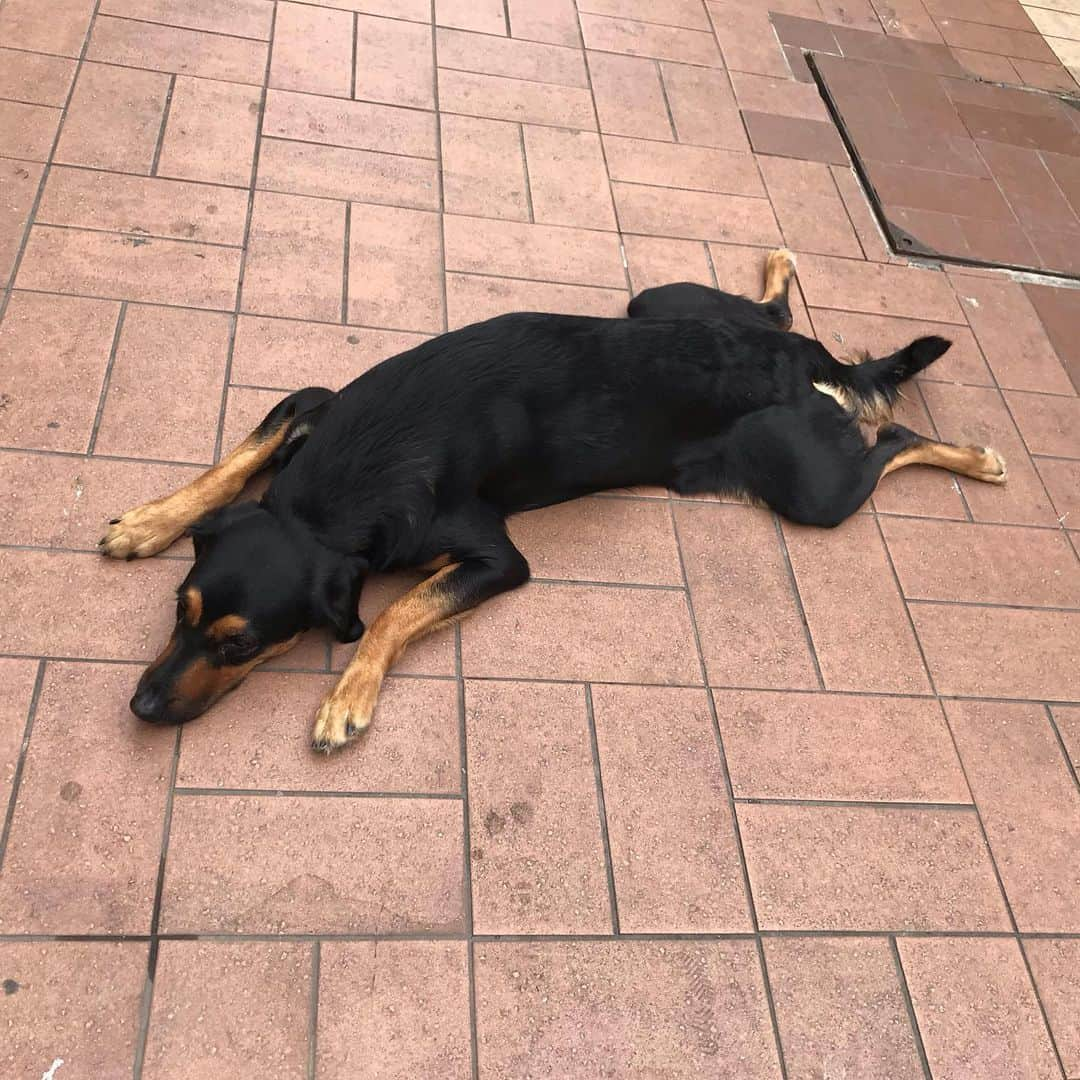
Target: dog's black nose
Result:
[149, 704]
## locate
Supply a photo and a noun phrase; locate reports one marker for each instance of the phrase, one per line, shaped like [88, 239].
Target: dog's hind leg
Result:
[779, 270]
[484, 564]
[152, 527]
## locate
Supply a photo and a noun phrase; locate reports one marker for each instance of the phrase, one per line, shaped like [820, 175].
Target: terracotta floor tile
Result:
[865, 868]
[259, 738]
[500, 98]
[673, 848]
[1062, 480]
[970, 35]
[1054, 967]
[695, 215]
[747, 38]
[21, 26]
[17, 679]
[147, 413]
[862, 217]
[55, 351]
[1000, 652]
[784, 97]
[483, 16]
[627, 541]
[139, 44]
[60, 500]
[296, 257]
[588, 632]
[845, 332]
[976, 1008]
[537, 853]
[553, 21]
[394, 62]
[90, 990]
[568, 181]
[136, 44]
[249, 864]
[542, 252]
[576, 1007]
[1057, 310]
[92, 799]
[839, 1003]
[395, 269]
[1029, 806]
[658, 260]
[130, 268]
[685, 13]
[19, 182]
[72, 621]
[35, 78]
[703, 107]
[746, 614]
[1050, 425]
[606, 34]
[244, 409]
[851, 285]
[292, 354]
[483, 168]
[967, 414]
[313, 50]
[210, 132]
[1010, 334]
[790, 136]
[241, 18]
[993, 564]
[838, 747]
[629, 96]
[642, 161]
[473, 298]
[336, 172]
[400, 1007]
[808, 207]
[27, 130]
[257, 993]
[358, 124]
[868, 646]
[1067, 718]
[511, 58]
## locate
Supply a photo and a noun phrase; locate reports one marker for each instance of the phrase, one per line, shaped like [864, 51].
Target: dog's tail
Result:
[870, 388]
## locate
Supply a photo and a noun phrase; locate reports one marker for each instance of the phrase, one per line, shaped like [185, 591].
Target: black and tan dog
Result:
[420, 460]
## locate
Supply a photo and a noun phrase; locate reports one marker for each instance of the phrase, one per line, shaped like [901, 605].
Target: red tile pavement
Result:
[685, 803]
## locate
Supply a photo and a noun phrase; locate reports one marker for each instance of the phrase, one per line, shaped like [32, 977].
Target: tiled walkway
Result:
[714, 796]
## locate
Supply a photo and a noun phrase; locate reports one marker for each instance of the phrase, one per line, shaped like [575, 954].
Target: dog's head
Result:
[256, 586]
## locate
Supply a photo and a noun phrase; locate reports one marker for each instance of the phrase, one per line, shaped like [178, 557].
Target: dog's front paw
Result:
[993, 470]
[139, 533]
[344, 714]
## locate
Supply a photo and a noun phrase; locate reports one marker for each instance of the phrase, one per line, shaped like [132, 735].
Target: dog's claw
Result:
[113, 521]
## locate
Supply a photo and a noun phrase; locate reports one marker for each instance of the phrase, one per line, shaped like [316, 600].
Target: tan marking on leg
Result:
[152, 527]
[437, 563]
[349, 707]
[978, 462]
[192, 605]
[226, 626]
[779, 270]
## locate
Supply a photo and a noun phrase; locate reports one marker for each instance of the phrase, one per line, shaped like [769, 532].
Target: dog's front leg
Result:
[455, 589]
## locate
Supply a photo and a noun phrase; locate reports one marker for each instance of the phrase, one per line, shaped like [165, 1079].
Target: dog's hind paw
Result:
[139, 533]
[993, 470]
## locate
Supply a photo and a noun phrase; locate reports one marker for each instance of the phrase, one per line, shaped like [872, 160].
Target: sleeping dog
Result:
[420, 460]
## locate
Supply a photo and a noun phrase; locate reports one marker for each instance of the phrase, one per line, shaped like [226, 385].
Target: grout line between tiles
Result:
[525, 173]
[345, 266]
[313, 1010]
[106, 379]
[794, 585]
[355, 45]
[1061, 745]
[909, 1006]
[164, 122]
[609, 869]
[20, 763]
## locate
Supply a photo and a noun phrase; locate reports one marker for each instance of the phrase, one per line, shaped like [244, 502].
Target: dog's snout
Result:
[149, 704]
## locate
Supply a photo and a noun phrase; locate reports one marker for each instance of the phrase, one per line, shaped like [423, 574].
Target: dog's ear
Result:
[204, 531]
[336, 595]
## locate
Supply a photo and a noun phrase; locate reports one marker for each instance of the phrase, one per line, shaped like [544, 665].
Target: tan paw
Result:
[345, 714]
[993, 470]
[139, 533]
